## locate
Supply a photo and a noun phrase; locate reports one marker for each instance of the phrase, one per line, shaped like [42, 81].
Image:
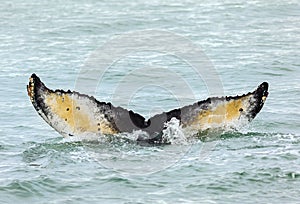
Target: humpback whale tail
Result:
[75, 114]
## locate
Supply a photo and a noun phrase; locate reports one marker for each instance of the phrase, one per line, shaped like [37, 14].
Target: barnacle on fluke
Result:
[74, 114]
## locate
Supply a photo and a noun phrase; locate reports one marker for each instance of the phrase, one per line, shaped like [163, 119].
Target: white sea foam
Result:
[173, 133]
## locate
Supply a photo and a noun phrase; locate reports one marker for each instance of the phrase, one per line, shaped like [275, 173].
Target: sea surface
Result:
[244, 42]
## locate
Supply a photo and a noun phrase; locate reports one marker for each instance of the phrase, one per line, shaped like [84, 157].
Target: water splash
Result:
[173, 133]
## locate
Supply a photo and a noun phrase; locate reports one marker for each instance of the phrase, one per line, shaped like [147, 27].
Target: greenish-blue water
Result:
[247, 42]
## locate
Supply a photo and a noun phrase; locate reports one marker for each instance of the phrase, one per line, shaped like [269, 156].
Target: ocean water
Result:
[246, 43]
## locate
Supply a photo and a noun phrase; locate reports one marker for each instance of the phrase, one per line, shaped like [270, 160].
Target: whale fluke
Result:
[75, 114]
